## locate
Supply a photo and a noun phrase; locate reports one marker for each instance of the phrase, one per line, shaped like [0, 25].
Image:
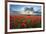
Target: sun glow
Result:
[27, 12]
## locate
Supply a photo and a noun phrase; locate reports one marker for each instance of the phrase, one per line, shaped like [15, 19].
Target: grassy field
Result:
[25, 22]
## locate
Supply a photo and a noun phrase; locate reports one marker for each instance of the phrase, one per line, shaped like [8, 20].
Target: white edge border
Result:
[17, 30]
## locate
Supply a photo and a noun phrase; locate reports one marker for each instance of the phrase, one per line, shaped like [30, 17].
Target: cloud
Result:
[36, 8]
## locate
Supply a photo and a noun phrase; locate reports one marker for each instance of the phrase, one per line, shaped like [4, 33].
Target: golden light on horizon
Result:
[27, 12]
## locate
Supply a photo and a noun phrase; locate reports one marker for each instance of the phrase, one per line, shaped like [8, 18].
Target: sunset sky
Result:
[19, 9]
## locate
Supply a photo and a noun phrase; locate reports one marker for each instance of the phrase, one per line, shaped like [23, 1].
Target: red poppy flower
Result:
[23, 24]
[21, 17]
[28, 17]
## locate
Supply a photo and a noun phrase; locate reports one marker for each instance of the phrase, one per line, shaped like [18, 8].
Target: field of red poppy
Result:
[25, 22]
